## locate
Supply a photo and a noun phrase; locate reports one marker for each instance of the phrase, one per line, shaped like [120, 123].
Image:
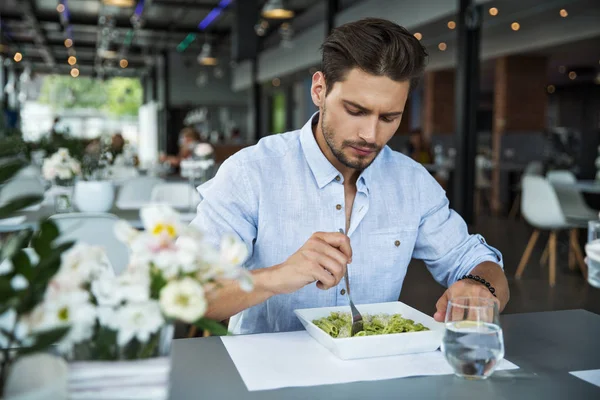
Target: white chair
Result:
[535, 168]
[15, 188]
[176, 194]
[542, 210]
[96, 229]
[136, 192]
[572, 202]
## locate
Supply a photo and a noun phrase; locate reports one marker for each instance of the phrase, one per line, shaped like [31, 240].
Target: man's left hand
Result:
[464, 288]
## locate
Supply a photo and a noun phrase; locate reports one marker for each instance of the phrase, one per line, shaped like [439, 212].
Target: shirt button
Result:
[397, 243]
[343, 292]
[341, 230]
[337, 178]
[338, 207]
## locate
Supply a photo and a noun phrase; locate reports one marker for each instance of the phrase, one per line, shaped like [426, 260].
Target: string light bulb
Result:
[18, 57]
[75, 72]
[72, 60]
[572, 75]
[442, 46]
[515, 26]
[60, 8]
[564, 13]
[493, 11]
[451, 24]
[68, 43]
[123, 63]
[418, 35]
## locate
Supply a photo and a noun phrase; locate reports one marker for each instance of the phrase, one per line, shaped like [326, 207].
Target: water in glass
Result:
[473, 343]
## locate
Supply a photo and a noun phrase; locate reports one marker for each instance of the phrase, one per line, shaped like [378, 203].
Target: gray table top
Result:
[32, 218]
[546, 346]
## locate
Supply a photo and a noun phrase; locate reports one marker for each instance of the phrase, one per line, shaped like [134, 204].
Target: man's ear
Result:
[318, 89]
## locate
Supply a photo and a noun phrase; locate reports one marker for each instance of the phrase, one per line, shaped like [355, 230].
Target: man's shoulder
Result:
[270, 149]
[393, 159]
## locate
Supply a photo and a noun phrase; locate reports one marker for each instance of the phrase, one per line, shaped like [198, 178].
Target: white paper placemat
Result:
[277, 360]
[592, 376]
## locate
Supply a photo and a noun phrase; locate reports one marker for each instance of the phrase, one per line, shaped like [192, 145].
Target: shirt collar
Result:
[323, 171]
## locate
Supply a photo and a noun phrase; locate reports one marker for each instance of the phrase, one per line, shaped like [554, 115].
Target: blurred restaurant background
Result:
[172, 88]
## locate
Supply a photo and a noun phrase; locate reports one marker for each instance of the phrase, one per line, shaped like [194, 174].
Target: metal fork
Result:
[357, 319]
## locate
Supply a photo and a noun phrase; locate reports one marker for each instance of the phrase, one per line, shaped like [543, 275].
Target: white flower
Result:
[64, 173]
[183, 300]
[19, 282]
[71, 309]
[133, 286]
[107, 317]
[83, 263]
[233, 250]
[137, 320]
[106, 291]
[125, 232]
[203, 150]
[161, 221]
[6, 267]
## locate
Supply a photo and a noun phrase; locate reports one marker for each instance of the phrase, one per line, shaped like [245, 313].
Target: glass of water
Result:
[473, 343]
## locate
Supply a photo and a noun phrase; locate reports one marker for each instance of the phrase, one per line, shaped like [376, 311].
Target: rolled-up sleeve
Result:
[227, 206]
[443, 241]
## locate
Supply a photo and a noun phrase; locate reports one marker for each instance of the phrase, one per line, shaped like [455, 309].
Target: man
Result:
[311, 202]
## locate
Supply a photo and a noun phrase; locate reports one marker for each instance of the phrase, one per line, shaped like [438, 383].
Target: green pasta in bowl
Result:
[338, 324]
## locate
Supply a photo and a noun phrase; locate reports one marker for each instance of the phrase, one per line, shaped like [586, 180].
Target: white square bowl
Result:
[376, 345]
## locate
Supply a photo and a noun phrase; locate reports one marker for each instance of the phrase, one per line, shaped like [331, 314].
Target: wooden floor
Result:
[529, 294]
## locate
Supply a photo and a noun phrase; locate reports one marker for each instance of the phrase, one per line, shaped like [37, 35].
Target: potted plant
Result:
[61, 169]
[172, 269]
[95, 192]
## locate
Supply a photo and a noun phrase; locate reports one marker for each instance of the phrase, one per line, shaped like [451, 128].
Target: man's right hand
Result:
[323, 258]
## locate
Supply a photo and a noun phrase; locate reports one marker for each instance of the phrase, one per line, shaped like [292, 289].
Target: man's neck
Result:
[350, 174]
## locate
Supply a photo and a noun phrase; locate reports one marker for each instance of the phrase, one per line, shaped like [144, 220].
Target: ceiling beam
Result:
[186, 5]
[28, 10]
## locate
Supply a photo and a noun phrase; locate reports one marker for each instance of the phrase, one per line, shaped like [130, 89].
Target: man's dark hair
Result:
[375, 46]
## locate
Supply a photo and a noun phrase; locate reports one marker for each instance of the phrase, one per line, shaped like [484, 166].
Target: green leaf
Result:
[15, 243]
[44, 340]
[6, 290]
[49, 231]
[10, 168]
[105, 344]
[22, 265]
[19, 204]
[157, 282]
[214, 327]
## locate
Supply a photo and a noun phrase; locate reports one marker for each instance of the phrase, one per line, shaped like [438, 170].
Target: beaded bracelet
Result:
[482, 281]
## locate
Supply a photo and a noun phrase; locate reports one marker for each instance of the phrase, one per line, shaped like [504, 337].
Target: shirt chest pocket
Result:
[390, 251]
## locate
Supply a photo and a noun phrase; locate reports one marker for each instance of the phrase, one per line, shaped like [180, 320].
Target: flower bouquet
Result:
[126, 326]
[61, 169]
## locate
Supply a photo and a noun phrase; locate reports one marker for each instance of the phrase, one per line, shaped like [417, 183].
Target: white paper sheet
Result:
[592, 376]
[277, 360]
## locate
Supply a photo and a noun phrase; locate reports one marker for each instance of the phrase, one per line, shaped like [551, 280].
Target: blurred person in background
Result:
[419, 148]
[189, 138]
[117, 144]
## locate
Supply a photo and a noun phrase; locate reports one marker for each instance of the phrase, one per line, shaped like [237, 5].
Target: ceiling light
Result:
[72, 60]
[418, 35]
[68, 43]
[442, 46]
[18, 57]
[276, 9]
[60, 8]
[562, 69]
[493, 11]
[451, 24]
[119, 3]
[515, 26]
[276, 82]
[551, 89]
[74, 72]
[564, 13]
[572, 75]
[123, 63]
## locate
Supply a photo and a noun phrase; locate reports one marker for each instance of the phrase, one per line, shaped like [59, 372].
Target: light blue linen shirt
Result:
[276, 194]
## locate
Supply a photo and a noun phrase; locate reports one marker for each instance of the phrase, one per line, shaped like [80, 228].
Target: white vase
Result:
[94, 196]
